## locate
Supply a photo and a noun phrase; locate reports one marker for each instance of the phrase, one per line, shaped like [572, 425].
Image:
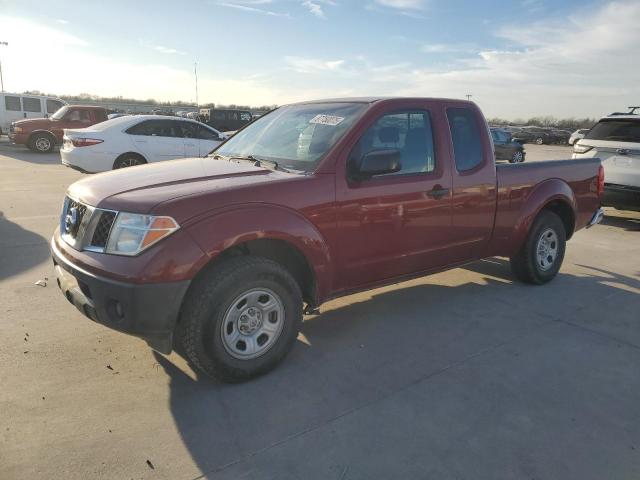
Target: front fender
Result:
[240, 224]
[541, 195]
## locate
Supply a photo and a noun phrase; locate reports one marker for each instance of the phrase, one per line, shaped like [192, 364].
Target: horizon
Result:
[516, 60]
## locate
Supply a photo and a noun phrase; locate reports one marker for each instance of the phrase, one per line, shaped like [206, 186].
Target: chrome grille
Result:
[85, 227]
[103, 228]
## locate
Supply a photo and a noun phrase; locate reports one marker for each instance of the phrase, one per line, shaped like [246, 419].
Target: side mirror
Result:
[379, 162]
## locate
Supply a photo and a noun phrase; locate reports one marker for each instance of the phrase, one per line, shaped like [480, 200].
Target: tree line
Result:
[84, 97]
[571, 123]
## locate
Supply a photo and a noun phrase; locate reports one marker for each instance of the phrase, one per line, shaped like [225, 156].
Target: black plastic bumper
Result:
[621, 197]
[148, 311]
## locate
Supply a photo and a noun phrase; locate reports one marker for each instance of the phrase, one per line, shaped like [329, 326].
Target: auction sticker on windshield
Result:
[326, 120]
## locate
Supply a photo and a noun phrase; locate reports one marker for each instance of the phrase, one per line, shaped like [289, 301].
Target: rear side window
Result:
[465, 135]
[409, 132]
[619, 130]
[206, 134]
[31, 104]
[12, 104]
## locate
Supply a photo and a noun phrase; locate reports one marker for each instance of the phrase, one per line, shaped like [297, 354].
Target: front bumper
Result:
[622, 197]
[148, 311]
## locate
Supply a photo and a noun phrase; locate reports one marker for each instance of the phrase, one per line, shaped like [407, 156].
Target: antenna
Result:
[6, 44]
[195, 73]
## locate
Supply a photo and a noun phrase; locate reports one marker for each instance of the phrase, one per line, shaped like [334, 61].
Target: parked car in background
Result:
[616, 141]
[560, 136]
[43, 134]
[136, 140]
[537, 135]
[16, 106]
[225, 120]
[505, 148]
[577, 135]
[223, 255]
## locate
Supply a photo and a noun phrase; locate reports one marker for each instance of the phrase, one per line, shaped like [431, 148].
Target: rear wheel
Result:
[241, 318]
[517, 157]
[539, 141]
[42, 143]
[128, 160]
[541, 256]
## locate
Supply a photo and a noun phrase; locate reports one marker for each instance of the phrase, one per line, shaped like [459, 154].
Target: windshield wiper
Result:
[258, 162]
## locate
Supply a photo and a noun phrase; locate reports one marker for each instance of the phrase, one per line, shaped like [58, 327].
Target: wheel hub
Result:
[250, 320]
[547, 249]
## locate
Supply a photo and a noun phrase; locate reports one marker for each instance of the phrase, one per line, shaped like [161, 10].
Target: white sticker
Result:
[326, 120]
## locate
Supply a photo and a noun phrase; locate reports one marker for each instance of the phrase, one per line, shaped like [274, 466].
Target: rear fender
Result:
[236, 225]
[542, 195]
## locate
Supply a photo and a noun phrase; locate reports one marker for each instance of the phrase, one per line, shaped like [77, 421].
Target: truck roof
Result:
[379, 99]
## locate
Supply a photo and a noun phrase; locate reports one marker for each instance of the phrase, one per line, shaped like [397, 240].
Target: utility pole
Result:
[6, 44]
[195, 72]
[468, 95]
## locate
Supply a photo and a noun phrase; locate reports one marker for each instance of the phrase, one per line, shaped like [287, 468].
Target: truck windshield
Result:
[60, 113]
[295, 136]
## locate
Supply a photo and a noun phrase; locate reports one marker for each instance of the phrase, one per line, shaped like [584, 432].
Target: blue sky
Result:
[517, 58]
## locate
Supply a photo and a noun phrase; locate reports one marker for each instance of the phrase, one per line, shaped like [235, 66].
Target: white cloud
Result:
[313, 65]
[403, 4]
[314, 8]
[249, 6]
[168, 50]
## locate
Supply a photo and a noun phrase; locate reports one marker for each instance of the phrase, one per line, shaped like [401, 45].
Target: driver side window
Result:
[408, 132]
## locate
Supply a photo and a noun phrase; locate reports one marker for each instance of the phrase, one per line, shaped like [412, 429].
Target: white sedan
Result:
[136, 140]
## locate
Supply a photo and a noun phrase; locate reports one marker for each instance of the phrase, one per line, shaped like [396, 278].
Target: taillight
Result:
[577, 148]
[600, 181]
[85, 142]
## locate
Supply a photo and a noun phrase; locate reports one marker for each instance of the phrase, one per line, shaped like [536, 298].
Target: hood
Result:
[33, 123]
[139, 189]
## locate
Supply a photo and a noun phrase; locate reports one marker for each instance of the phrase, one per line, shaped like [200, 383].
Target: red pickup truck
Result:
[43, 134]
[223, 255]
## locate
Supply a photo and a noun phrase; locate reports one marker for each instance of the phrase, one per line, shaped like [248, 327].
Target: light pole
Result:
[6, 44]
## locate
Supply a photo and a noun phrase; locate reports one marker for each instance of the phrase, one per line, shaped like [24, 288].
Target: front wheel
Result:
[42, 143]
[541, 256]
[128, 161]
[539, 141]
[241, 318]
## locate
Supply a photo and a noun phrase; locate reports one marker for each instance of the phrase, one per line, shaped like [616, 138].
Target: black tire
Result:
[42, 143]
[128, 160]
[539, 141]
[200, 328]
[525, 265]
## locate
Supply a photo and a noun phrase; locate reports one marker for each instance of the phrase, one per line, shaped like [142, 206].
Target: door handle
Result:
[437, 192]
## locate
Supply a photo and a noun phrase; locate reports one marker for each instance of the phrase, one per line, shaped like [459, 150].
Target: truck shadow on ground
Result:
[368, 347]
[20, 249]
[630, 223]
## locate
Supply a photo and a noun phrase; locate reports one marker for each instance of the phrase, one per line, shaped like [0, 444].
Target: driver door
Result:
[397, 223]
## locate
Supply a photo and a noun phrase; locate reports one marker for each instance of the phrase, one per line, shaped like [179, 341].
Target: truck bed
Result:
[518, 183]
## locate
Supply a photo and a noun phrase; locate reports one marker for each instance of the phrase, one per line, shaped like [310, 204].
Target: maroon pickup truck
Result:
[43, 134]
[223, 255]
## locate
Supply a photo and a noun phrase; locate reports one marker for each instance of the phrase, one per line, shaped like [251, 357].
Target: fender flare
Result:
[540, 197]
[244, 223]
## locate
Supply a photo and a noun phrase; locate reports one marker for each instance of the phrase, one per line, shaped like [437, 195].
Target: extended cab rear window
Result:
[465, 135]
[617, 130]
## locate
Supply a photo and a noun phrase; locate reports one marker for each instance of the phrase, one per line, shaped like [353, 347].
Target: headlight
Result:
[132, 233]
[581, 148]
[17, 129]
